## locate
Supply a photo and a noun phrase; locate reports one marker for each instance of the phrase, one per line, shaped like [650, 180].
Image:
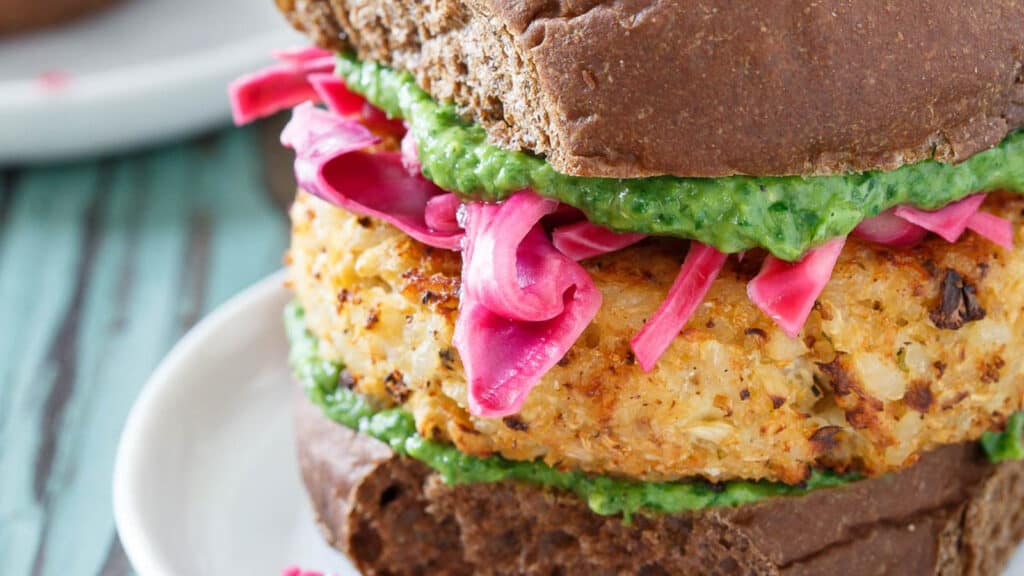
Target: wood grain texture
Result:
[103, 267]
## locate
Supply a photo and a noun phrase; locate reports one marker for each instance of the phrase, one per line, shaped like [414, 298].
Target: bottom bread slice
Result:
[951, 513]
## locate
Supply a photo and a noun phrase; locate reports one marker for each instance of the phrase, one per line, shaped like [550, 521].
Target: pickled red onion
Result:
[523, 304]
[330, 164]
[949, 222]
[698, 272]
[582, 240]
[786, 291]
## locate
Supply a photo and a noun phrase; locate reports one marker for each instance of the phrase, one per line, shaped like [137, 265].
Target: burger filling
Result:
[522, 227]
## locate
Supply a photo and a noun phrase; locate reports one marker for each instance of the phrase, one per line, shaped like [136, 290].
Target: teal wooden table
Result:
[103, 266]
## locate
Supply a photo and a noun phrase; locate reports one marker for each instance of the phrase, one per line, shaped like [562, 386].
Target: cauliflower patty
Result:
[905, 350]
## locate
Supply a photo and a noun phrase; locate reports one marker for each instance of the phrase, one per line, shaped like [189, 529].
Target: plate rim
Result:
[26, 93]
[141, 548]
[161, 100]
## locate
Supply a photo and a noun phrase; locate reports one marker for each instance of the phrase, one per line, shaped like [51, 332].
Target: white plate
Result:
[142, 71]
[206, 480]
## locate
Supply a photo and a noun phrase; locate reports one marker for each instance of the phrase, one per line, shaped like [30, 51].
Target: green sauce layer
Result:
[604, 495]
[785, 214]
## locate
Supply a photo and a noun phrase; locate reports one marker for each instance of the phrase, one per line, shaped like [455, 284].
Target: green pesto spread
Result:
[785, 214]
[604, 495]
[1005, 445]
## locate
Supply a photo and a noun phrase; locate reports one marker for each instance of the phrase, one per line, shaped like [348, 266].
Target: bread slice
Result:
[951, 513]
[637, 87]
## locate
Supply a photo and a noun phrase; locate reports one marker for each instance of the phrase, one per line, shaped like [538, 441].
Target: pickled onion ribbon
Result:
[442, 213]
[304, 74]
[509, 282]
[698, 272]
[582, 240]
[333, 92]
[276, 88]
[906, 226]
[786, 291]
[330, 164]
[998, 230]
[889, 229]
[948, 222]
[523, 304]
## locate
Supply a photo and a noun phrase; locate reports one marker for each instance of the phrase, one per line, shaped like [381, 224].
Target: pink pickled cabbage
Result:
[699, 270]
[905, 226]
[948, 222]
[523, 305]
[511, 282]
[333, 92]
[786, 291]
[304, 74]
[330, 164]
[442, 213]
[583, 240]
[998, 230]
[889, 229]
[275, 88]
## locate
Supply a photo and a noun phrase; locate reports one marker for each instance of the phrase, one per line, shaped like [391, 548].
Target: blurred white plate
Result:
[140, 72]
[206, 480]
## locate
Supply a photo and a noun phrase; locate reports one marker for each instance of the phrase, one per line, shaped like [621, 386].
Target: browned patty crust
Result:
[905, 350]
[952, 514]
[634, 88]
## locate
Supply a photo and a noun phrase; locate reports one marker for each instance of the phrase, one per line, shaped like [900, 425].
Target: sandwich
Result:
[657, 287]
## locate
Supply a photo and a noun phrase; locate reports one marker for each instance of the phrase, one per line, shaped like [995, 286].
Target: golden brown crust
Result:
[22, 15]
[871, 382]
[952, 513]
[637, 88]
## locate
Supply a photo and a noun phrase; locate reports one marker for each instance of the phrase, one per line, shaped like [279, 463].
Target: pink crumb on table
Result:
[53, 80]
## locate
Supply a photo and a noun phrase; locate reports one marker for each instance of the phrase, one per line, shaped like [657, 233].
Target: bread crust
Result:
[637, 88]
[952, 513]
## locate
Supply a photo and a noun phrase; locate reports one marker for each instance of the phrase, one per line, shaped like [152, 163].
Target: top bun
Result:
[637, 88]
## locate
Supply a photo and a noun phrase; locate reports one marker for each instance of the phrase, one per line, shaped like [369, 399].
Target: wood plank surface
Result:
[104, 265]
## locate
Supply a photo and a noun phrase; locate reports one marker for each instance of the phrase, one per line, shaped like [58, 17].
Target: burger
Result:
[657, 287]
[25, 15]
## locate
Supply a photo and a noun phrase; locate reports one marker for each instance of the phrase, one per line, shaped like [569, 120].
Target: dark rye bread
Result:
[639, 87]
[951, 513]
